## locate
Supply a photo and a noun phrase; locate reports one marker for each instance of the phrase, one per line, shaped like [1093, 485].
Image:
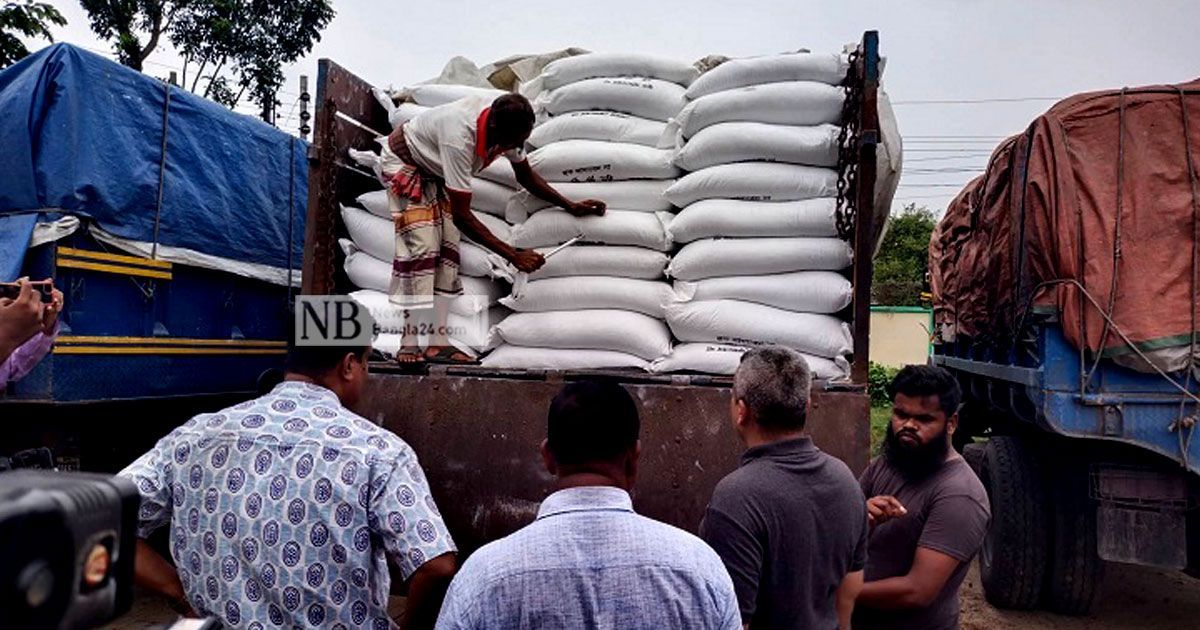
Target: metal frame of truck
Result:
[477, 430]
[1084, 460]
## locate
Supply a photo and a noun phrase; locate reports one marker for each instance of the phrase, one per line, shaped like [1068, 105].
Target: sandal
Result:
[408, 358]
[447, 355]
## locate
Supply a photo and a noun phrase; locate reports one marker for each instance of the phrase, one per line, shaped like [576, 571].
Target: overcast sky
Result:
[937, 51]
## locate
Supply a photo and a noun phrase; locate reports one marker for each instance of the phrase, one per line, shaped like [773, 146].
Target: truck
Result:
[1064, 295]
[178, 259]
[477, 429]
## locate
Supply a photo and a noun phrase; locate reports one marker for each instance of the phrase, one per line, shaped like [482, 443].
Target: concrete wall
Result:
[900, 335]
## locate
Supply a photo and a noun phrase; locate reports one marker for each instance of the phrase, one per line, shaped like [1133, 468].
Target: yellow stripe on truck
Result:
[178, 341]
[117, 258]
[163, 350]
[117, 269]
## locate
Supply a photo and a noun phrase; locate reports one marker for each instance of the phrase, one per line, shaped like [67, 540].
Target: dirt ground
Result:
[1132, 597]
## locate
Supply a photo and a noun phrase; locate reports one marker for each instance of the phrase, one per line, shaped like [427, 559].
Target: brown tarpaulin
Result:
[1101, 190]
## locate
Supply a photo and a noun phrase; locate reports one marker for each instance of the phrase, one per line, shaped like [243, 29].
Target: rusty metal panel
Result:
[866, 71]
[478, 440]
[332, 178]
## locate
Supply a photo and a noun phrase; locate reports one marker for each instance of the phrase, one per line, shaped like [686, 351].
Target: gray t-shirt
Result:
[947, 512]
[789, 524]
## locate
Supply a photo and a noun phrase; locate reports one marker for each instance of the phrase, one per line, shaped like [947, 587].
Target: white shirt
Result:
[447, 141]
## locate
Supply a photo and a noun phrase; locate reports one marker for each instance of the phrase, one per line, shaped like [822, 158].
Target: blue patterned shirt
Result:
[589, 561]
[284, 511]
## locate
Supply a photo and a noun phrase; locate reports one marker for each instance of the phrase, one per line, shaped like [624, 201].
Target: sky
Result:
[961, 74]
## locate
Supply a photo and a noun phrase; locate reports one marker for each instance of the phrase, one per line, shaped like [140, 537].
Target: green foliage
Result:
[880, 417]
[234, 48]
[25, 19]
[879, 377]
[903, 260]
[126, 22]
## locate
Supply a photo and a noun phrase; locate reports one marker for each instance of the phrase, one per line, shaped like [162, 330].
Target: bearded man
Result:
[927, 510]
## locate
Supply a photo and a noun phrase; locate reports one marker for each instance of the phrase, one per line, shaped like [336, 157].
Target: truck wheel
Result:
[1013, 559]
[1075, 569]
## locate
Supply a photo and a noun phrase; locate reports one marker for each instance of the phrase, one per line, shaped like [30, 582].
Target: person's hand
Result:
[528, 260]
[20, 318]
[587, 207]
[50, 312]
[883, 508]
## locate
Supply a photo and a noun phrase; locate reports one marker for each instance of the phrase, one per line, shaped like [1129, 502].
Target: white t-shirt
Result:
[445, 141]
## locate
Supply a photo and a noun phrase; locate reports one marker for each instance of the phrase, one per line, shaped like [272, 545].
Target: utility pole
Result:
[304, 115]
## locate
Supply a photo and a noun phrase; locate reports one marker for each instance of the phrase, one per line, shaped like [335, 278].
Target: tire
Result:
[1075, 569]
[1012, 562]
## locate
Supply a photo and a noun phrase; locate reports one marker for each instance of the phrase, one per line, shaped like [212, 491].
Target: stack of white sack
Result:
[761, 261]
[370, 251]
[598, 304]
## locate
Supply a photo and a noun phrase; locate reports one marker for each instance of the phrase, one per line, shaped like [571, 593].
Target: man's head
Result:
[341, 369]
[592, 428]
[510, 122]
[770, 394]
[925, 403]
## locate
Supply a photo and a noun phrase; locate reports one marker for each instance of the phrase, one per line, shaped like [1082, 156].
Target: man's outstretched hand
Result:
[528, 260]
[884, 508]
[587, 207]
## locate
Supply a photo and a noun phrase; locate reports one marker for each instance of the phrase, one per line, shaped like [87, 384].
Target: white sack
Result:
[747, 324]
[620, 331]
[604, 260]
[792, 103]
[709, 258]
[496, 226]
[591, 292]
[599, 161]
[648, 98]
[754, 181]
[616, 227]
[807, 291]
[737, 218]
[572, 69]
[523, 358]
[712, 358]
[405, 112]
[472, 330]
[725, 143]
[372, 234]
[389, 344]
[735, 73]
[376, 202]
[367, 272]
[644, 195]
[488, 196]
[501, 172]
[598, 125]
[434, 94]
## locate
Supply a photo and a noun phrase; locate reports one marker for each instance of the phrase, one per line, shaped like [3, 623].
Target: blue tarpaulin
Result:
[85, 136]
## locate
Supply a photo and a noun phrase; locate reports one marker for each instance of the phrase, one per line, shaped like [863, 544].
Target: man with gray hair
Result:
[790, 522]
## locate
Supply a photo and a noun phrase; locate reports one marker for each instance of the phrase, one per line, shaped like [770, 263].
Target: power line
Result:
[976, 101]
[941, 158]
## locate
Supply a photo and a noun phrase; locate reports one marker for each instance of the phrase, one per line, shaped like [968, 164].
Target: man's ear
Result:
[548, 458]
[952, 424]
[346, 366]
[741, 413]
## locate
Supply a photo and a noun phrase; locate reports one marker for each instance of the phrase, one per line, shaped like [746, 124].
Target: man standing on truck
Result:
[789, 523]
[589, 561]
[429, 162]
[287, 510]
[928, 511]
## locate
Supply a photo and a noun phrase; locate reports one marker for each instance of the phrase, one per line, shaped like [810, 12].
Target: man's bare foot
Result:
[409, 356]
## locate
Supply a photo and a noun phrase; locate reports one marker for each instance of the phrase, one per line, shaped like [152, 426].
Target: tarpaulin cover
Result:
[84, 135]
[1094, 210]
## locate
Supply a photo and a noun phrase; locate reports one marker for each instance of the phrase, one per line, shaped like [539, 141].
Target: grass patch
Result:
[880, 416]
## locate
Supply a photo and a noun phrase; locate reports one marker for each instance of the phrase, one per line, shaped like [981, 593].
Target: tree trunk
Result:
[199, 73]
[215, 73]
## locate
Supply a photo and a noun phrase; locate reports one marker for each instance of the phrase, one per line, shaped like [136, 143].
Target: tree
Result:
[27, 19]
[125, 22]
[243, 44]
[903, 260]
[237, 47]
